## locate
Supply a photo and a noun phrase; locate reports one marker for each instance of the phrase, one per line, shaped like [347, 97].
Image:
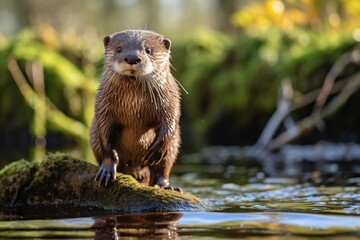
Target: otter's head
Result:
[137, 52]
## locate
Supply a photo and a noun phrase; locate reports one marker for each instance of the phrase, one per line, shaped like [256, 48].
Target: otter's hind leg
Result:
[161, 171]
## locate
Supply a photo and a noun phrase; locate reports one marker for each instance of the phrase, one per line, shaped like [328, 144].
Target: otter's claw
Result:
[105, 173]
[174, 189]
[164, 184]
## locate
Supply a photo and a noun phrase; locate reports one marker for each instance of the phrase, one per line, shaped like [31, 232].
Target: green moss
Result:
[63, 180]
[13, 178]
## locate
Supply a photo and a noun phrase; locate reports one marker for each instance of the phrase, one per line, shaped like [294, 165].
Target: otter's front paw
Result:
[106, 172]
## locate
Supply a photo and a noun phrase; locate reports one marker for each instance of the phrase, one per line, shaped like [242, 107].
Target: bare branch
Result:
[334, 72]
[286, 104]
[310, 122]
[282, 111]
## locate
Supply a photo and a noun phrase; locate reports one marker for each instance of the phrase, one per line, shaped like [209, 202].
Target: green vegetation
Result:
[59, 92]
[238, 78]
[232, 80]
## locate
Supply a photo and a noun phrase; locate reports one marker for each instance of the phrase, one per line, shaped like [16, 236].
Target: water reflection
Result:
[146, 225]
[270, 224]
[189, 225]
[149, 225]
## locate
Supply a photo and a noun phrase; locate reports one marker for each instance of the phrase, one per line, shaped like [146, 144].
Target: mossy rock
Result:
[62, 180]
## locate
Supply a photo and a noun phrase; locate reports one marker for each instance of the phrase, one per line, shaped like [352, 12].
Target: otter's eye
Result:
[148, 50]
[119, 49]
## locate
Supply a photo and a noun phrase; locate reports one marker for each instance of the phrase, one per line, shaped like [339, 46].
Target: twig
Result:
[282, 111]
[308, 98]
[334, 72]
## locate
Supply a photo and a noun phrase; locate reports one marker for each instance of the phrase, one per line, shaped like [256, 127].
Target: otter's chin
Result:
[131, 72]
[134, 70]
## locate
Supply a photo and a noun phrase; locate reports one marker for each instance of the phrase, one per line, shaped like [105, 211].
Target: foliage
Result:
[232, 80]
[288, 15]
[233, 83]
[69, 93]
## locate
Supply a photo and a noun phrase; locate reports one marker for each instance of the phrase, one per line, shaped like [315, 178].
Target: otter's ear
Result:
[106, 40]
[167, 43]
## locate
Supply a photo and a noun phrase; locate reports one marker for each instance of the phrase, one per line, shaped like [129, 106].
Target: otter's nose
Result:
[132, 59]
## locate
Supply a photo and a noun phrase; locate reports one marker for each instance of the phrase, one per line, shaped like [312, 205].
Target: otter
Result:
[135, 129]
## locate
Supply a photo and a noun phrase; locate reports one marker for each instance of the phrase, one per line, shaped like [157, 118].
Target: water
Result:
[201, 225]
[245, 204]
[275, 207]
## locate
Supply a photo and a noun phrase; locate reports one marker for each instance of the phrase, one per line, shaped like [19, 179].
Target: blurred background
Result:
[231, 56]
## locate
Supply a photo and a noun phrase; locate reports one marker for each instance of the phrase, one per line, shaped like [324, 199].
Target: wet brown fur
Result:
[138, 119]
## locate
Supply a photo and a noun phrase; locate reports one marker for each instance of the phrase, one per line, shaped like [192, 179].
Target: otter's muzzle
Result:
[132, 59]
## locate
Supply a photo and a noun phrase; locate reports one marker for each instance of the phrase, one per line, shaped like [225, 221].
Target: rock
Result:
[61, 180]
